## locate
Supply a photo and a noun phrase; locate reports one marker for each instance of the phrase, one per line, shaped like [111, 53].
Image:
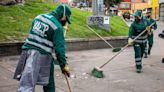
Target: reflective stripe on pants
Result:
[139, 49]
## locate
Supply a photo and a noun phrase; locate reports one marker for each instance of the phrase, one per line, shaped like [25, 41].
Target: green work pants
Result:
[150, 42]
[139, 49]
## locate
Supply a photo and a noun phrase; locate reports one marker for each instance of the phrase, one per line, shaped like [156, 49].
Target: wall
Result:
[155, 9]
[161, 1]
[161, 10]
[7, 49]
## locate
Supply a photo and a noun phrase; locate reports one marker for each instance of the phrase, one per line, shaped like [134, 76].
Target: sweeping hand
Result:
[152, 27]
[148, 29]
[66, 70]
[130, 41]
[152, 30]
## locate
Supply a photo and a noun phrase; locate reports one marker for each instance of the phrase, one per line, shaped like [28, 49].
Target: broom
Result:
[65, 29]
[69, 87]
[113, 49]
[68, 84]
[97, 71]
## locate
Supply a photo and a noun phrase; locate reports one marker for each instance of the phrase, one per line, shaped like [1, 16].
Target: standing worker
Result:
[36, 62]
[138, 26]
[150, 35]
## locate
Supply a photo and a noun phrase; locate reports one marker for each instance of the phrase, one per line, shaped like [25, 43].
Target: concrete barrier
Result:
[14, 48]
[86, 44]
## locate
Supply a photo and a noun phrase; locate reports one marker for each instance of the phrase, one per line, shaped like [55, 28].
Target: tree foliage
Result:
[109, 3]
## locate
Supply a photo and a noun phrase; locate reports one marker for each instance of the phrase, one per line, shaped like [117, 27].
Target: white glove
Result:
[66, 70]
[148, 29]
[152, 30]
[130, 41]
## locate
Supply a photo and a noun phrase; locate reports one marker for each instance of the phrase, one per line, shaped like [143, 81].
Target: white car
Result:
[81, 5]
[132, 17]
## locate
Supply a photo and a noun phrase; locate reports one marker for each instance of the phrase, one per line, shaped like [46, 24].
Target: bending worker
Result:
[138, 26]
[150, 35]
[36, 61]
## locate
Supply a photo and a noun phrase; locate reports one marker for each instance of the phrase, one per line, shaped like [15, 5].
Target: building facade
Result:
[61, 1]
[132, 5]
[124, 6]
[161, 10]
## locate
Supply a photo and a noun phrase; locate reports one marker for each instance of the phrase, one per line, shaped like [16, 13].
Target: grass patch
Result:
[15, 22]
[79, 29]
[118, 26]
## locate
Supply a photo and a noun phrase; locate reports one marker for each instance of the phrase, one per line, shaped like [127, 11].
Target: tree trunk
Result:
[107, 6]
[7, 2]
[19, 1]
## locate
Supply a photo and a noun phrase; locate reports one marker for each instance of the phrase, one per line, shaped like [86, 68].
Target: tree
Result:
[10, 2]
[7, 2]
[109, 3]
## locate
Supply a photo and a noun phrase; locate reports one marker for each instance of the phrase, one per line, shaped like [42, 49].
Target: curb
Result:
[14, 48]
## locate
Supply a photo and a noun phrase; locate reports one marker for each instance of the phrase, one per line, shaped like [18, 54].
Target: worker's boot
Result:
[138, 68]
[145, 55]
[149, 49]
[149, 52]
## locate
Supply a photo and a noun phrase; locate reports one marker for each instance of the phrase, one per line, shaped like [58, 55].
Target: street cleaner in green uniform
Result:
[150, 35]
[36, 66]
[138, 26]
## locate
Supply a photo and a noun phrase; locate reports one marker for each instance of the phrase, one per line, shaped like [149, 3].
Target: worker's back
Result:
[42, 32]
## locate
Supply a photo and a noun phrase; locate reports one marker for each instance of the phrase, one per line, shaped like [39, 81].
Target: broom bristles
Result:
[97, 72]
[116, 49]
[99, 69]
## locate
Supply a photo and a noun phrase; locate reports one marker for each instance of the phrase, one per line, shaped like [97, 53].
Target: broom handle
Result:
[114, 56]
[65, 29]
[69, 87]
[65, 33]
[143, 32]
[125, 47]
[101, 37]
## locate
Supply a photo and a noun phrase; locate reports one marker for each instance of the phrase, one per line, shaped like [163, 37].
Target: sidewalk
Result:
[120, 75]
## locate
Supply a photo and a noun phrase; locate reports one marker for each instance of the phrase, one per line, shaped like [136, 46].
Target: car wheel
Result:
[163, 60]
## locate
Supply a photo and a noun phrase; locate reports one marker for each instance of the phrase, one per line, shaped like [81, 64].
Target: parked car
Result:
[163, 60]
[132, 17]
[81, 5]
[161, 35]
[126, 15]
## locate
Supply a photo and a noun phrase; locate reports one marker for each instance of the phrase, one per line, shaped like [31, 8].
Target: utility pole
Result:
[98, 18]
